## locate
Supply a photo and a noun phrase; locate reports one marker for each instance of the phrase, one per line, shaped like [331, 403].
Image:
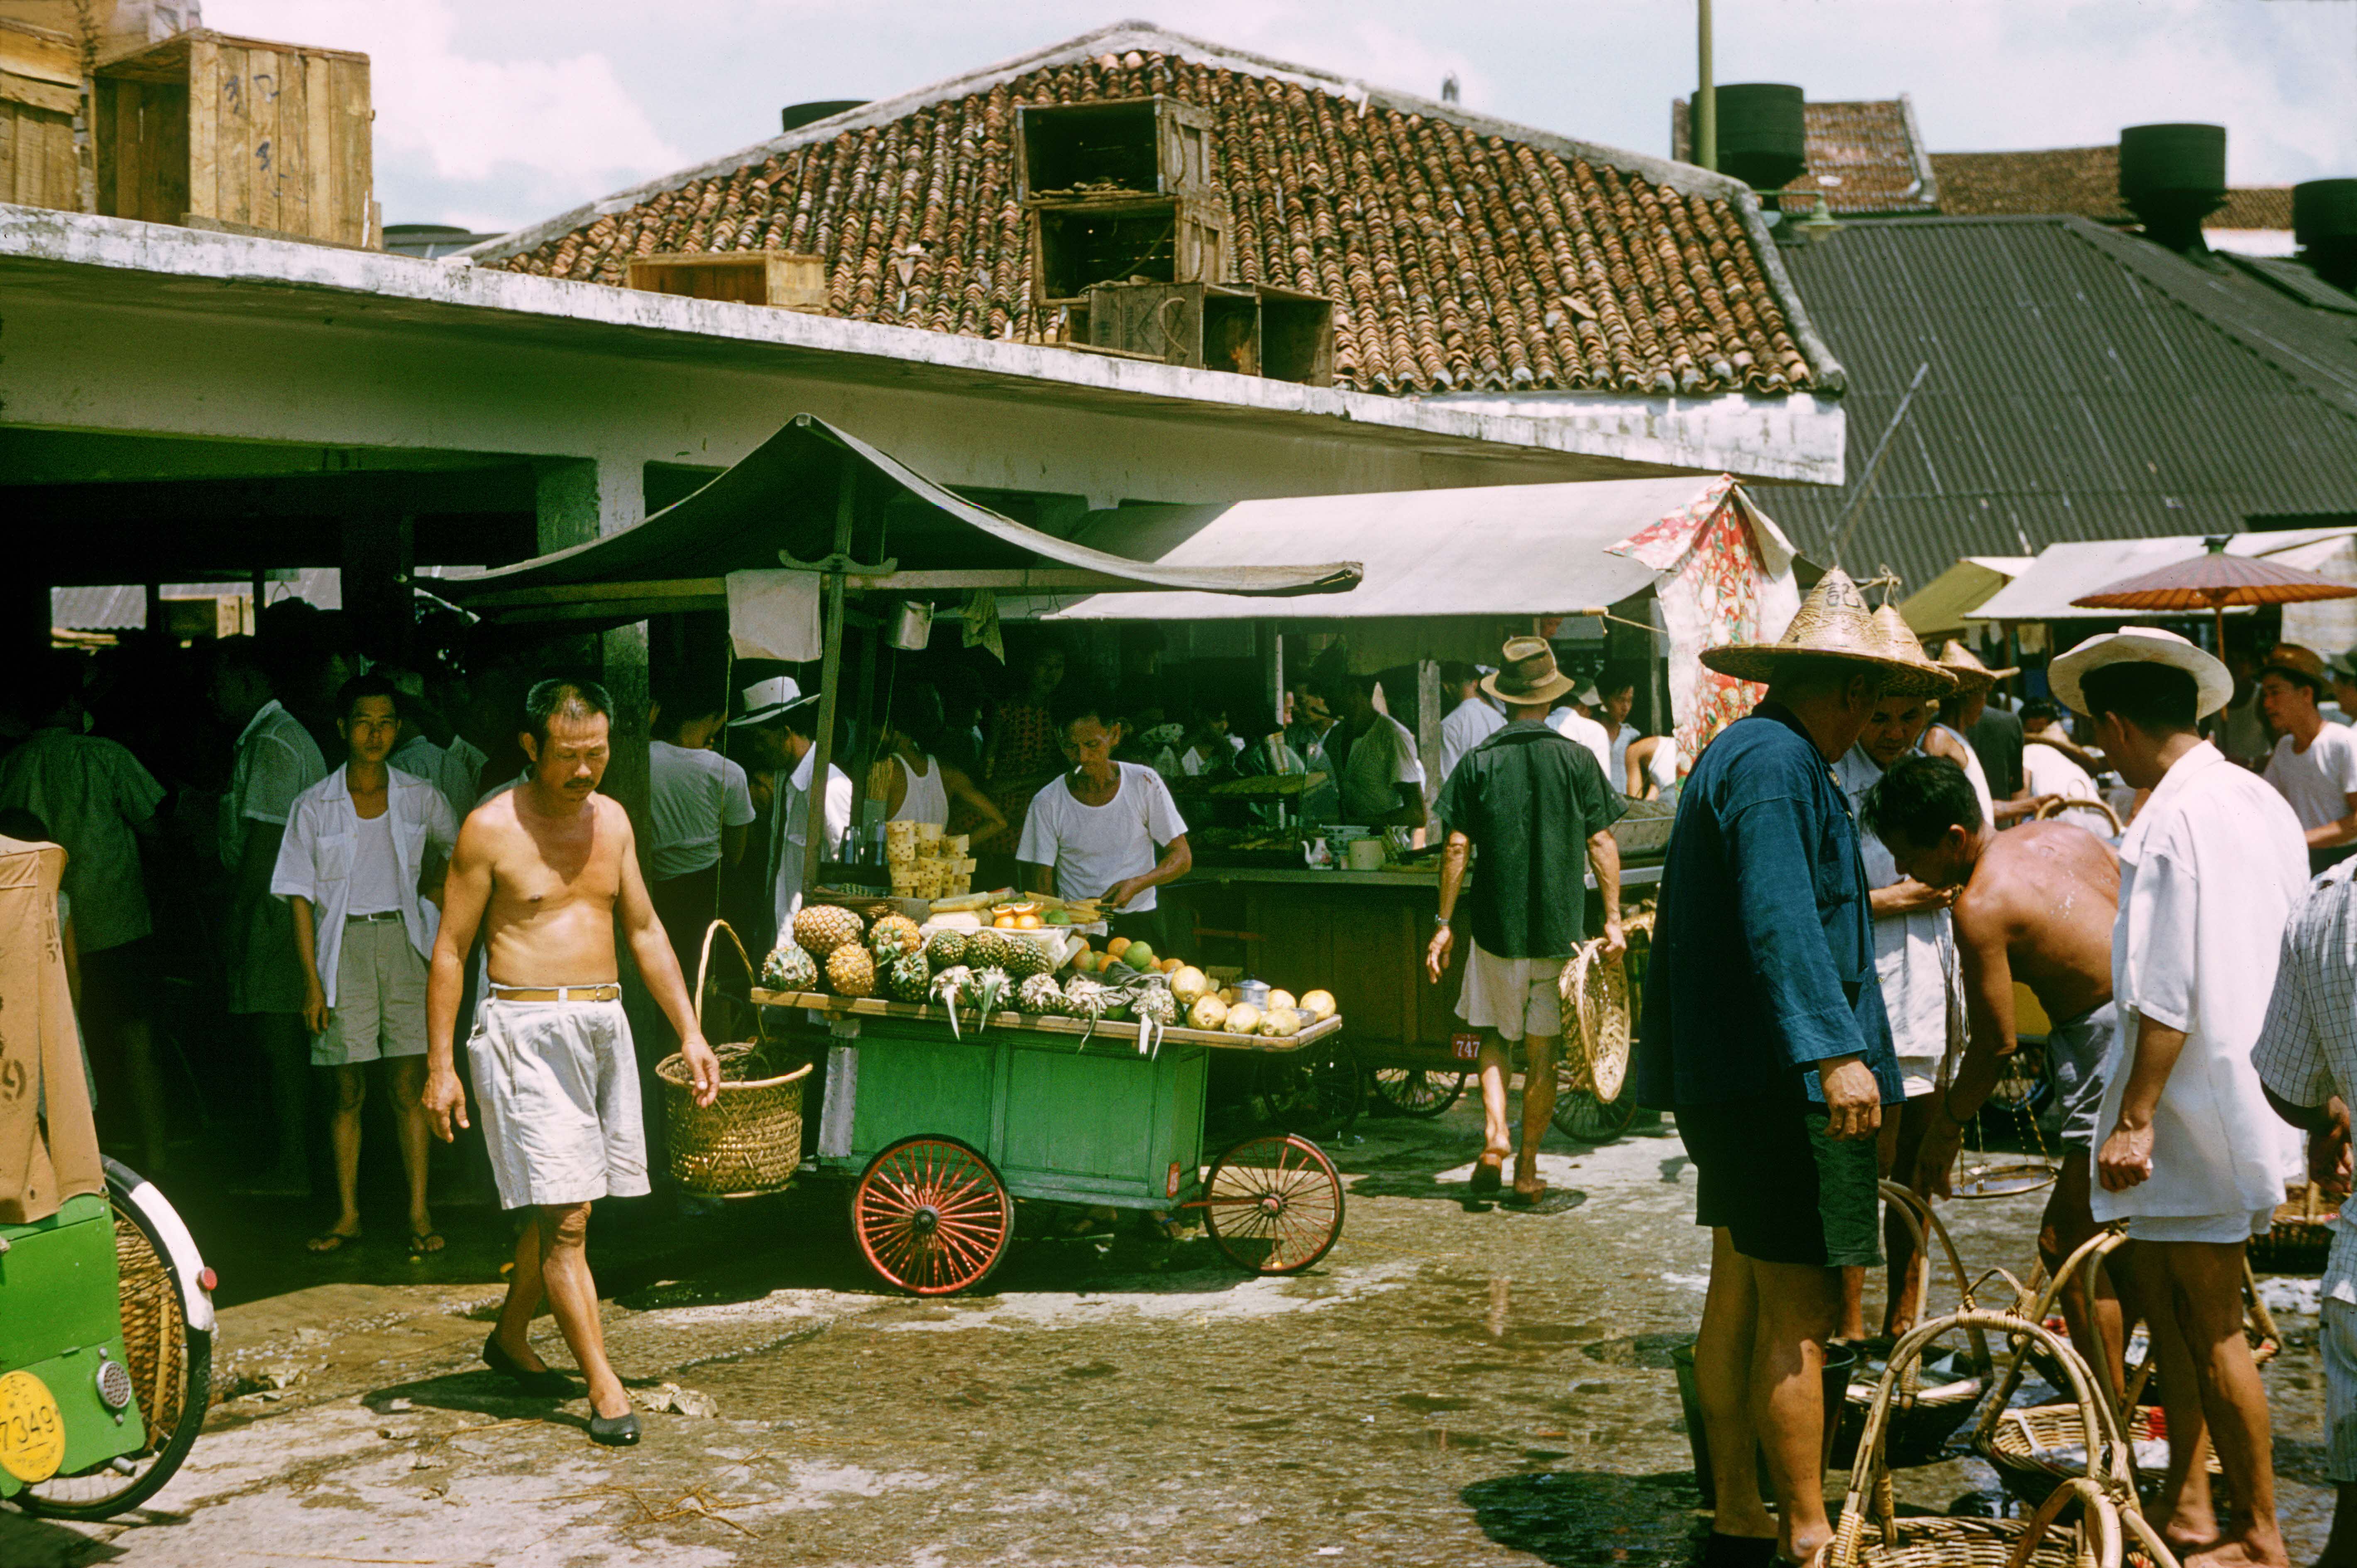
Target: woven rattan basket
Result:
[1595, 993]
[748, 1141]
[2300, 1241]
[1923, 1419]
[155, 1342]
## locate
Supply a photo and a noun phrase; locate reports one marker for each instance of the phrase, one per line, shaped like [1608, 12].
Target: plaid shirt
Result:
[2308, 1048]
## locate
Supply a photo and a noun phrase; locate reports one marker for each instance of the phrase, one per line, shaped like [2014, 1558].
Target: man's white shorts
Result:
[380, 1007]
[557, 1085]
[1512, 995]
[2337, 1337]
[2226, 1229]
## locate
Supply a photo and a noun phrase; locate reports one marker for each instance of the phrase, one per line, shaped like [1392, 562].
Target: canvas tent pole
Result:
[814, 849]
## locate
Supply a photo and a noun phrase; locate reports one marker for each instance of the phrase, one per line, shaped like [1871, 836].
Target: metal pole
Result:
[814, 846]
[1706, 103]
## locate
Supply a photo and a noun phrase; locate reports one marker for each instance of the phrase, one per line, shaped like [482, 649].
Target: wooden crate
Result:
[1076, 245]
[109, 26]
[269, 137]
[751, 277]
[1137, 146]
[1251, 331]
[40, 93]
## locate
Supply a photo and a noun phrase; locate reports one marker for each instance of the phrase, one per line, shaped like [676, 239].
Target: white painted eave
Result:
[116, 263]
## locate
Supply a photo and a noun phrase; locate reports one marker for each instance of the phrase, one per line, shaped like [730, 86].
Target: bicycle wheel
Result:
[1417, 1092]
[1579, 1114]
[1316, 1092]
[170, 1365]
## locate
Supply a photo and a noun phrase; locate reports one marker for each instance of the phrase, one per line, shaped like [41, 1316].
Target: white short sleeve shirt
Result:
[2318, 781]
[692, 796]
[277, 760]
[1468, 724]
[1092, 848]
[1379, 760]
[318, 857]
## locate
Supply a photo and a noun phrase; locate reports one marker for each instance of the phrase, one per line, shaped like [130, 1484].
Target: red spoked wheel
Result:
[931, 1217]
[1273, 1203]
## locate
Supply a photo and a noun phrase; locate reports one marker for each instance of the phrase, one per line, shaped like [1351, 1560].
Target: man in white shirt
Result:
[1382, 778]
[1616, 699]
[1471, 721]
[2190, 1155]
[2314, 765]
[100, 804]
[277, 761]
[454, 767]
[783, 720]
[2048, 770]
[700, 811]
[1571, 721]
[1105, 829]
[358, 846]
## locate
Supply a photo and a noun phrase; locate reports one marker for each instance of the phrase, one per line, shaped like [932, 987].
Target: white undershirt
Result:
[376, 871]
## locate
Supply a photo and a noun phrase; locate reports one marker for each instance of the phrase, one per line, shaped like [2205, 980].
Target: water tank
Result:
[2324, 220]
[794, 116]
[2184, 160]
[1762, 139]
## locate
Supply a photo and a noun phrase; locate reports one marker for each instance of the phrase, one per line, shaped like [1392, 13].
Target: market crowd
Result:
[1917, 888]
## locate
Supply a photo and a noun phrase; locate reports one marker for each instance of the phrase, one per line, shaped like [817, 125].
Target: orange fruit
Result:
[1116, 948]
[1004, 923]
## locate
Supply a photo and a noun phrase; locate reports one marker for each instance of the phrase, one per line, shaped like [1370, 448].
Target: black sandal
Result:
[546, 1383]
[1487, 1177]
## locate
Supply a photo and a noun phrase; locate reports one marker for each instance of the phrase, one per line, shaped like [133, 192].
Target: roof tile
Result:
[1862, 156]
[2082, 180]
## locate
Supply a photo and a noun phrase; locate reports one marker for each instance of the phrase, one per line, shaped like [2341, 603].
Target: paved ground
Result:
[1455, 1384]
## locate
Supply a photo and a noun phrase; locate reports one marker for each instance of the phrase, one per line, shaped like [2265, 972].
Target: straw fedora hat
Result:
[1908, 650]
[1833, 622]
[2141, 645]
[1526, 673]
[1966, 667]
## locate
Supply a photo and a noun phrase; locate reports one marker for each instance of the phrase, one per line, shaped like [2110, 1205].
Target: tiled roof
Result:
[2083, 180]
[1864, 156]
[1461, 254]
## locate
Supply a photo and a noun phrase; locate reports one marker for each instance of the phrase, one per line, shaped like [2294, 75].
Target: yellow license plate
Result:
[32, 1434]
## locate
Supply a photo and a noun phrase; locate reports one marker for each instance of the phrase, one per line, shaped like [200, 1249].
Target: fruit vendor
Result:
[783, 720]
[547, 872]
[1105, 829]
[1522, 796]
[358, 846]
[1382, 778]
[1763, 1029]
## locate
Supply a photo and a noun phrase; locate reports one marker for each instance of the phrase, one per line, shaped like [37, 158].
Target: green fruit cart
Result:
[943, 1122]
[106, 1314]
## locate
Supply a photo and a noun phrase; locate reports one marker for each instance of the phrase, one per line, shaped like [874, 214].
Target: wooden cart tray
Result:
[1105, 1029]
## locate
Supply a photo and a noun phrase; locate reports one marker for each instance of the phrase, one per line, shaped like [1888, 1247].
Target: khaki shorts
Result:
[380, 1007]
[557, 1086]
[1515, 997]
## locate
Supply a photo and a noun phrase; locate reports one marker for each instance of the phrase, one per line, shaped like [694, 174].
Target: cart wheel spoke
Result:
[932, 1215]
[1421, 1092]
[1273, 1203]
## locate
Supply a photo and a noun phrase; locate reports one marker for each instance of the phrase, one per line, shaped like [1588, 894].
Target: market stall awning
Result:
[1942, 604]
[786, 497]
[2063, 573]
[1498, 550]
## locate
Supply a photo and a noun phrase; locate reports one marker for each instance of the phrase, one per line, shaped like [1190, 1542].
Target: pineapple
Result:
[910, 978]
[790, 968]
[1026, 958]
[994, 990]
[892, 936]
[947, 949]
[850, 971]
[984, 949]
[821, 928]
[1040, 993]
[1088, 998]
[1154, 1005]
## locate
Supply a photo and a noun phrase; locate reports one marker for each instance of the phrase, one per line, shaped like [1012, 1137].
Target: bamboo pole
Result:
[814, 847]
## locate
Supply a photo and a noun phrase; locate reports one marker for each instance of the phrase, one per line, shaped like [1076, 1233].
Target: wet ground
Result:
[1454, 1384]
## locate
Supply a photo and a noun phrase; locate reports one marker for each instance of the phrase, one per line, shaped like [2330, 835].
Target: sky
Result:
[497, 113]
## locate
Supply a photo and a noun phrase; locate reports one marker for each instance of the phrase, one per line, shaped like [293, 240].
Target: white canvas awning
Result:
[1501, 550]
[2066, 572]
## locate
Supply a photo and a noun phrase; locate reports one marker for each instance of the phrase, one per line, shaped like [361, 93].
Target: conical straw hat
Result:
[1965, 666]
[1833, 622]
[1904, 646]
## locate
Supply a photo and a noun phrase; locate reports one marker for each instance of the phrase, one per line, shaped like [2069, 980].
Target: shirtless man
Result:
[545, 869]
[2036, 904]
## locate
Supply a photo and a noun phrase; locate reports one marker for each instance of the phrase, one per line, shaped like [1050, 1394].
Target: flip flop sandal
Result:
[1488, 1175]
[1523, 1199]
[421, 1243]
[329, 1241]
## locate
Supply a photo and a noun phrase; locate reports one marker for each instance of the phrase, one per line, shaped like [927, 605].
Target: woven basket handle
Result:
[2062, 804]
[1927, 1221]
[2084, 1259]
[703, 963]
[2099, 1528]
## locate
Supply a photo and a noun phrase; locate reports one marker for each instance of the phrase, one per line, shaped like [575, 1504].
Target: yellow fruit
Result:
[1027, 922]
[1208, 1013]
[1228, 994]
[1173, 965]
[1004, 923]
[1186, 983]
[1319, 1004]
[1281, 1022]
[1244, 1018]
[1116, 947]
[1277, 999]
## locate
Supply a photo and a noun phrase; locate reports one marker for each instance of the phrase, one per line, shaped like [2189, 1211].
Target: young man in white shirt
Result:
[1471, 721]
[1105, 829]
[2314, 764]
[2189, 1152]
[699, 813]
[1382, 778]
[277, 761]
[358, 846]
[785, 721]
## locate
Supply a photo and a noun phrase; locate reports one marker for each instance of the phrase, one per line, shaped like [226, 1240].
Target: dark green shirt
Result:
[1529, 797]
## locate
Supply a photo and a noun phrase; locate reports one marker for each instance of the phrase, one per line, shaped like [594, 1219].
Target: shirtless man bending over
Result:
[2036, 906]
[545, 869]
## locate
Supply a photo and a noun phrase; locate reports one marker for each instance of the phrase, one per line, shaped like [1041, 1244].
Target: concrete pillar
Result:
[580, 499]
[380, 557]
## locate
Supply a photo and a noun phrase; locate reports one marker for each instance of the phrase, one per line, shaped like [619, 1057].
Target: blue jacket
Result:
[1762, 961]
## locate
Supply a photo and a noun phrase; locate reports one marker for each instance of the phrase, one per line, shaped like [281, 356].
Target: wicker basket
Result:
[1923, 1419]
[2300, 1242]
[748, 1141]
[2062, 804]
[1595, 993]
[1873, 1534]
[155, 1341]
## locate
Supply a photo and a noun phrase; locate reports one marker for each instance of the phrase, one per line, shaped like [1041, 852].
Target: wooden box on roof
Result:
[1131, 146]
[238, 132]
[1249, 330]
[40, 93]
[1077, 245]
[751, 277]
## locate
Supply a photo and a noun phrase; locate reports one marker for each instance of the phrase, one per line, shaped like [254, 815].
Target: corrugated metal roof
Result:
[2084, 384]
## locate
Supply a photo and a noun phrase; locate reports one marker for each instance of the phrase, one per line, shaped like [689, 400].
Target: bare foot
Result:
[2251, 1550]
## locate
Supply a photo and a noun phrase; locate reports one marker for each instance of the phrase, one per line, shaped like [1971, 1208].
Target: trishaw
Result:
[942, 1128]
[106, 1314]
